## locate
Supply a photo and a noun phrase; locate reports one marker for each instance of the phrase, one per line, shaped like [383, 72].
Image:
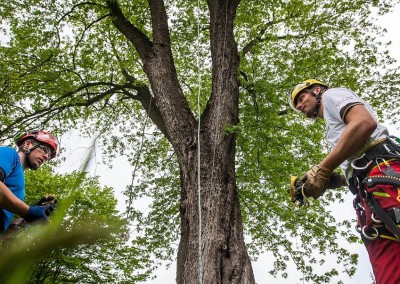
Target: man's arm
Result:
[360, 125]
[10, 202]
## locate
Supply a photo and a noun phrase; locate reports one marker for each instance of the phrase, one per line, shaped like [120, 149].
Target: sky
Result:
[120, 176]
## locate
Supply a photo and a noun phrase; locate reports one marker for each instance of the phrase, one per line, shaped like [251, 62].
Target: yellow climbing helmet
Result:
[299, 88]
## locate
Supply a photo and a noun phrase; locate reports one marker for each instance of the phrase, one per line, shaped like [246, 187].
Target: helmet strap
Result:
[317, 105]
[27, 153]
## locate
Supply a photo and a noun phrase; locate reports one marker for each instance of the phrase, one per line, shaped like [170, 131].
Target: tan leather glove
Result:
[316, 181]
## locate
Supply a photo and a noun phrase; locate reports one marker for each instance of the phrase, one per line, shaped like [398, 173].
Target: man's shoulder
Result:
[10, 160]
[339, 96]
[340, 91]
[10, 152]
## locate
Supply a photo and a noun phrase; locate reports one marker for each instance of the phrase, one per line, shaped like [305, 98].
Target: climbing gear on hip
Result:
[376, 184]
[384, 149]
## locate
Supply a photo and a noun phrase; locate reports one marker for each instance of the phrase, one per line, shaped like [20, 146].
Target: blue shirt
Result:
[14, 180]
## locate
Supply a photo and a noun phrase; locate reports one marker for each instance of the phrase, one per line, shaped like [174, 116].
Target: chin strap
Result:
[27, 152]
[317, 105]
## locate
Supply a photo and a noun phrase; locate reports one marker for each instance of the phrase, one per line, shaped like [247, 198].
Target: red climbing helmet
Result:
[41, 136]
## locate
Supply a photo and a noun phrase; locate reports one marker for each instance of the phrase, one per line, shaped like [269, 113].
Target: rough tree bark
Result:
[223, 251]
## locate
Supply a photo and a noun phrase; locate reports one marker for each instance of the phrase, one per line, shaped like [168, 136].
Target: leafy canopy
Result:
[63, 64]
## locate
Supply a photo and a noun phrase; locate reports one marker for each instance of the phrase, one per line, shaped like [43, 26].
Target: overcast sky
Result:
[120, 176]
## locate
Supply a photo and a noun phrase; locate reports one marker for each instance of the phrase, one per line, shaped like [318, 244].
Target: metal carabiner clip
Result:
[369, 237]
[387, 148]
[393, 140]
[375, 219]
[378, 164]
[360, 168]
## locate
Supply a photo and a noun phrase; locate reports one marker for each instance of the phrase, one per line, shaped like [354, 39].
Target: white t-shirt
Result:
[336, 103]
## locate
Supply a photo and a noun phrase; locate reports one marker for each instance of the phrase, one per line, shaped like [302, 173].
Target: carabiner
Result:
[369, 237]
[363, 193]
[305, 201]
[386, 148]
[375, 220]
[378, 164]
[393, 140]
[360, 168]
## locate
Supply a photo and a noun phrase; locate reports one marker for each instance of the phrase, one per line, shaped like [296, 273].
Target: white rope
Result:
[198, 145]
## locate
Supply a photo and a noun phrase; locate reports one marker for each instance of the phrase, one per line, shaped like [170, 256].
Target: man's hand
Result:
[46, 199]
[316, 181]
[39, 213]
[336, 180]
[295, 190]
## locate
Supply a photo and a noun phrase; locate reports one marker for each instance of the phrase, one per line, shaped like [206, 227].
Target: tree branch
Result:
[260, 38]
[52, 108]
[87, 27]
[76, 6]
[225, 62]
[139, 40]
[160, 22]
[146, 99]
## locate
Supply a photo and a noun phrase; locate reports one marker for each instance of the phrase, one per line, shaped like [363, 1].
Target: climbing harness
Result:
[376, 174]
[384, 149]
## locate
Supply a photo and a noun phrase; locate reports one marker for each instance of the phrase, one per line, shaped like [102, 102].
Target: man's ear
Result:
[27, 144]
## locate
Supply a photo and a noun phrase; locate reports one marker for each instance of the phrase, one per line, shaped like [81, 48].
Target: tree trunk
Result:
[223, 253]
[224, 257]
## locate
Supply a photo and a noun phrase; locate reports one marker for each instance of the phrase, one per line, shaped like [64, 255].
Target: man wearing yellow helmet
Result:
[34, 149]
[370, 162]
[308, 87]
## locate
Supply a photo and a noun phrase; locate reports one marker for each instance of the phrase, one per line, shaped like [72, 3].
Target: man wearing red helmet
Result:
[34, 149]
[370, 162]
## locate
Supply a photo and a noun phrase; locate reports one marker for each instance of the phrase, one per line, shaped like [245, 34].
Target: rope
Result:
[306, 203]
[198, 134]
[200, 244]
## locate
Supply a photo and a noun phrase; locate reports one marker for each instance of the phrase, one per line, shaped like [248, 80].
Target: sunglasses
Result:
[45, 150]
